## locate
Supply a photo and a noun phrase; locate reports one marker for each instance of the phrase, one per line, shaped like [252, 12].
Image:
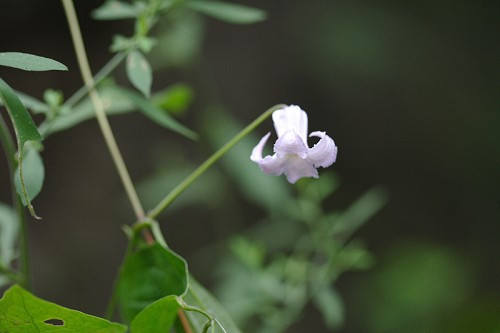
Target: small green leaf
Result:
[331, 306]
[9, 228]
[122, 43]
[30, 62]
[25, 131]
[150, 273]
[158, 316]
[229, 12]
[139, 72]
[156, 114]
[34, 174]
[176, 99]
[118, 10]
[112, 101]
[21, 312]
[200, 297]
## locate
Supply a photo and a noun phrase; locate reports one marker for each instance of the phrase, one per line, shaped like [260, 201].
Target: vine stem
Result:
[108, 68]
[10, 152]
[86, 73]
[169, 198]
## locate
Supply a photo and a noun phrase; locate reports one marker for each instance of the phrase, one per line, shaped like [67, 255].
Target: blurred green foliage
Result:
[409, 90]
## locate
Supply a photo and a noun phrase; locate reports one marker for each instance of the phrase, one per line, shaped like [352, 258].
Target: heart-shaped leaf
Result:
[148, 274]
[21, 312]
[158, 316]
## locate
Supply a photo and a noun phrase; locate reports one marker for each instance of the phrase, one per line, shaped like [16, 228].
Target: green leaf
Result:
[200, 297]
[21, 312]
[158, 316]
[35, 105]
[25, 131]
[24, 125]
[112, 101]
[156, 114]
[9, 228]
[118, 10]
[176, 99]
[30, 62]
[139, 72]
[359, 212]
[34, 174]
[331, 306]
[148, 274]
[121, 43]
[229, 12]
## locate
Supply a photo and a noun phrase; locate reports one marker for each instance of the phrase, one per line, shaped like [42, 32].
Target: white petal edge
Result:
[273, 165]
[324, 153]
[291, 118]
[256, 155]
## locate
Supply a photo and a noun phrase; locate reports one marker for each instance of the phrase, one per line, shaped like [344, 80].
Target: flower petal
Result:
[290, 143]
[324, 153]
[291, 118]
[257, 151]
[272, 165]
[296, 168]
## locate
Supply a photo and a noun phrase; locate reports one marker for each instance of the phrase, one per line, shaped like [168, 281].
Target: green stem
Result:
[167, 200]
[47, 124]
[23, 241]
[105, 71]
[83, 63]
[10, 152]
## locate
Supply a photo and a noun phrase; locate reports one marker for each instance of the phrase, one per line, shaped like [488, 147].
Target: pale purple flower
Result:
[292, 156]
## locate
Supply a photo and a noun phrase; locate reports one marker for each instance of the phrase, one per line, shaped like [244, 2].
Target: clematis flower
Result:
[292, 156]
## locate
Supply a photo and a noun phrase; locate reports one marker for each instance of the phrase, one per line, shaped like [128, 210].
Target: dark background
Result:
[408, 91]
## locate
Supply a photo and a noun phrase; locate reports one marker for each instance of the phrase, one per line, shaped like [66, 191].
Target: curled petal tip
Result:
[257, 151]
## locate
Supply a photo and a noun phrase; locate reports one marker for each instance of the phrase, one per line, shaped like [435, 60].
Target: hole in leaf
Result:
[54, 322]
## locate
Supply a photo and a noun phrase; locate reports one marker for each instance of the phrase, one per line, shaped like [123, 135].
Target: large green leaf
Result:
[21, 312]
[30, 62]
[9, 228]
[148, 274]
[139, 72]
[118, 10]
[34, 174]
[156, 114]
[229, 12]
[25, 131]
[158, 316]
[199, 297]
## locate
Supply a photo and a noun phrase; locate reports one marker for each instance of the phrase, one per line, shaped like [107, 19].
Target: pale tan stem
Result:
[83, 63]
